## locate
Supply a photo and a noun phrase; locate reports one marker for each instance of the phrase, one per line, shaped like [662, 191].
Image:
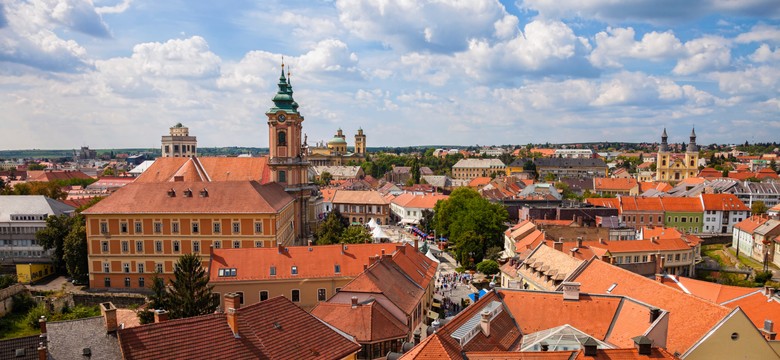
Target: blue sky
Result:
[119, 73]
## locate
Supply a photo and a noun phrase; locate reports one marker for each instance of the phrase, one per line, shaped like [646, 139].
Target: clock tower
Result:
[287, 158]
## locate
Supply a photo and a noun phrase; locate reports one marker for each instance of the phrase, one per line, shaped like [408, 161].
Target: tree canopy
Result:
[52, 237]
[758, 207]
[330, 230]
[75, 250]
[190, 294]
[355, 234]
[472, 223]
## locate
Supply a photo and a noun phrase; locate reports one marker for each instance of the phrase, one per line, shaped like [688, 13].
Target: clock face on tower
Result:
[281, 118]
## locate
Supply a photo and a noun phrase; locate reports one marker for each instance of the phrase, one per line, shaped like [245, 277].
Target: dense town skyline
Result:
[117, 74]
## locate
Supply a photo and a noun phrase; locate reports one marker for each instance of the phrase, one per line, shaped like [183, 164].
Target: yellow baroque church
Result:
[676, 167]
[334, 152]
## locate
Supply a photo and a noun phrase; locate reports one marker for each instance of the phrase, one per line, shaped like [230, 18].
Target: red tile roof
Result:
[612, 203]
[627, 246]
[656, 185]
[553, 222]
[255, 263]
[723, 202]
[425, 201]
[358, 197]
[750, 224]
[479, 181]
[638, 203]
[614, 184]
[226, 197]
[366, 322]
[52, 175]
[271, 329]
[758, 307]
[690, 317]
[709, 172]
[717, 293]
[660, 232]
[681, 204]
[208, 169]
[605, 354]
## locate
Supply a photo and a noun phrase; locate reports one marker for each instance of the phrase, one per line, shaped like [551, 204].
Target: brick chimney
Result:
[643, 344]
[42, 353]
[280, 248]
[160, 315]
[558, 245]
[484, 323]
[42, 325]
[232, 303]
[109, 315]
[416, 244]
[354, 302]
[768, 330]
[417, 336]
[601, 241]
[401, 248]
[654, 314]
[579, 241]
[373, 259]
[659, 264]
[571, 291]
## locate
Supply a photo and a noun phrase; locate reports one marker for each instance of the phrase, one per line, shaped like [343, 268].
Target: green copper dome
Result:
[337, 140]
[283, 100]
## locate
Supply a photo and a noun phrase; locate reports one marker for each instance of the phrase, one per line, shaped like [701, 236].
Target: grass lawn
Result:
[717, 253]
[13, 325]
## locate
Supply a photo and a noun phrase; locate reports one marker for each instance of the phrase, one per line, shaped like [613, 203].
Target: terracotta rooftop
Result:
[750, 224]
[319, 262]
[690, 317]
[617, 247]
[638, 203]
[660, 232]
[723, 202]
[758, 307]
[426, 201]
[612, 203]
[52, 175]
[682, 204]
[714, 292]
[366, 322]
[654, 185]
[604, 354]
[236, 197]
[479, 181]
[208, 169]
[358, 197]
[606, 184]
[271, 329]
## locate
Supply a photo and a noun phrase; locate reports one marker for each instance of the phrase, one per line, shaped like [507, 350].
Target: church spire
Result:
[664, 146]
[692, 143]
[283, 100]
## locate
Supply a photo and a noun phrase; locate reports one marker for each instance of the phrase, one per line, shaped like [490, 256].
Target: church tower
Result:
[287, 158]
[662, 162]
[360, 143]
[692, 155]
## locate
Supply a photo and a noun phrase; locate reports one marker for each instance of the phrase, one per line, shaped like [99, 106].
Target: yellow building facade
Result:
[32, 272]
[673, 167]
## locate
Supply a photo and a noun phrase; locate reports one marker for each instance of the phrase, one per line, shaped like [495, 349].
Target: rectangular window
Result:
[157, 227]
[337, 269]
[296, 296]
[195, 227]
[104, 228]
[636, 258]
[677, 257]
[126, 267]
[263, 295]
[240, 297]
[294, 270]
[138, 227]
[217, 227]
[125, 246]
[104, 246]
[106, 267]
[139, 246]
[176, 246]
[196, 246]
[159, 267]
[282, 176]
[158, 246]
[273, 271]
[258, 244]
[127, 282]
[258, 227]
[123, 227]
[644, 258]
[321, 295]
[141, 282]
[175, 227]
[236, 227]
[217, 244]
[107, 282]
[140, 267]
[236, 244]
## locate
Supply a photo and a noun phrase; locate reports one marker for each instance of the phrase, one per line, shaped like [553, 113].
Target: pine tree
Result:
[190, 294]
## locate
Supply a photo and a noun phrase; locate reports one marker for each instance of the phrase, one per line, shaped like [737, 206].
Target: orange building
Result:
[144, 228]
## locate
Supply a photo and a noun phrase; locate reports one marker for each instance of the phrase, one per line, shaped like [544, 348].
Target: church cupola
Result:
[692, 144]
[664, 145]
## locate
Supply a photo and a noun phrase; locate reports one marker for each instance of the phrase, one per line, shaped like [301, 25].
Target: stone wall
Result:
[6, 297]
[119, 300]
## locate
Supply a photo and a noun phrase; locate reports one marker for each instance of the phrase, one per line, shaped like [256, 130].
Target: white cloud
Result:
[115, 9]
[618, 43]
[506, 27]
[433, 25]
[761, 80]
[703, 54]
[765, 54]
[760, 33]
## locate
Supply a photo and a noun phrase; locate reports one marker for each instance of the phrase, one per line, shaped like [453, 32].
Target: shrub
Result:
[488, 267]
[762, 277]
[7, 280]
[34, 315]
[22, 302]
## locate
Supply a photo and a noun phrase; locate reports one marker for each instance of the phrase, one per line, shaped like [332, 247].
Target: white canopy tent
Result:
[378, 233]
[372, 223]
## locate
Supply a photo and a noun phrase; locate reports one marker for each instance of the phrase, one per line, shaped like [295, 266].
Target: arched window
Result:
[281, 138]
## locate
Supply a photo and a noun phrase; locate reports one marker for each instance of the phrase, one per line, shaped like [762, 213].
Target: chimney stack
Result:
[160, 315]
[416, 244]
[601, 241]
[417, 336]
[401, 248]
[354, 302]
[309, 243]
[42, 353]
[579, 241]
[643, 344]
[109, 315]
[768, 330]
[232, 303]
[42, 325]
[571, 291]
[558, 245]
[280, 247]
[654, 314]
[484, 323]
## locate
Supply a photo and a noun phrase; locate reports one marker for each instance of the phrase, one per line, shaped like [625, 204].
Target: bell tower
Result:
[360, 142]
[287, 158]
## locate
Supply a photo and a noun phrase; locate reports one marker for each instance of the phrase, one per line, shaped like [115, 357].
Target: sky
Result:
[120, 73]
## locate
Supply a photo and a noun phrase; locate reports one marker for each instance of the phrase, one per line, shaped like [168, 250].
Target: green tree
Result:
[158, 300]
[488, 267]
[108, 171]
[53, 237]
[773, 165]
[493, 253]
[75, 250]
[426, 220]
[326, 178]
[758, 207]
[355, 234]
[190, 294]
[415, 170]
[330, 231]
[36, 166]
[472, 224]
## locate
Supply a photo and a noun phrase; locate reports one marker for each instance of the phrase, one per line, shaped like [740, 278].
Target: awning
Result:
[436, 305]
[433, 315]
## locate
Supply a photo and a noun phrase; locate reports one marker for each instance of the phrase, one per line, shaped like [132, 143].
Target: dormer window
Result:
[188, 193]
[171, 193]
[294, 270]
